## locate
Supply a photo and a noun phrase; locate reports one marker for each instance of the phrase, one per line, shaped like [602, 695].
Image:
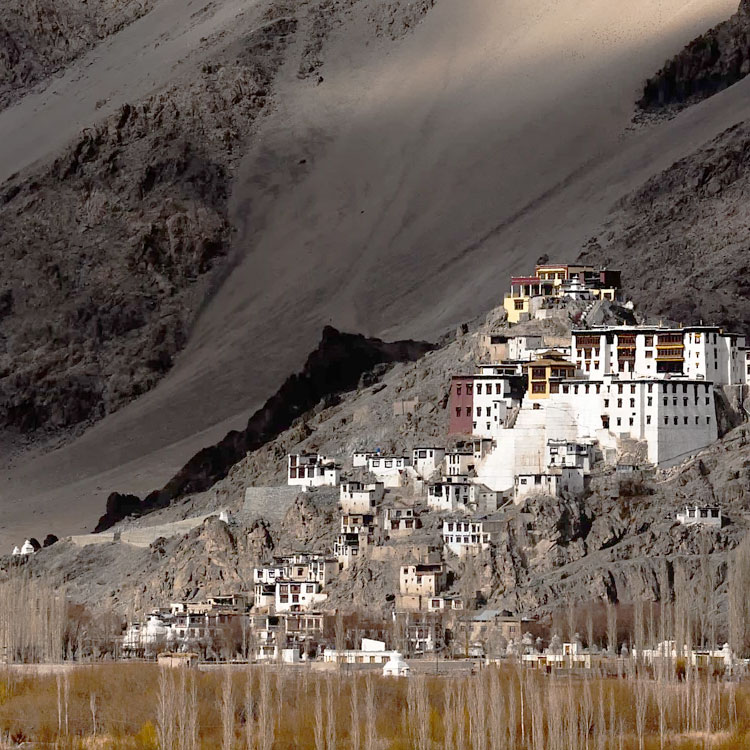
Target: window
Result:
[676, 420]
[650, 387]
[631, 421]
[498, 388]
[459, 390]
[649, 340]
[469, 390]
[696, 420]
[518, 304]
[619, 388]
[708, 420]
[389, 464]
[666, 420]
[619, 421]
[685, 401]
[468, 411]
[632, 403]
[606, 403]
[685, 420]
[650, 401]
[648, 419]
[538, 388]
[479, 389]
[479, 411]
[619, 403]
[674, 401]
[649, 354]
[632, 389]
[708, 402]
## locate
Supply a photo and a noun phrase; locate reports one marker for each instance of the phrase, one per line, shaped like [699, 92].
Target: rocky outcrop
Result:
[336, 366]
[709, 64]
[110, 251]
[39, 37]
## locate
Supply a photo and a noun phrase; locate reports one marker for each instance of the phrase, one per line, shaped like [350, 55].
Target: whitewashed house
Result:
[451, 494]
[465, 536]
[355, 497]
[552, 483]
[705, 515]
[312, 470]
[294, 596]
[458, 463]
[576, 454]
[391, 470]
[422, 579]
[427, 460]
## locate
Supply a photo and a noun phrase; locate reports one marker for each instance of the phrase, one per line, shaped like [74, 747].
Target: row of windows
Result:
[675, 420]
[470, 389]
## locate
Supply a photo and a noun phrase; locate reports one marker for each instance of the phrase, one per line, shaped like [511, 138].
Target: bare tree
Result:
[227, 710]
[330, 715]
[611, 629]
[354, 706]
[165, 717]
[738, 591]
[318, 725]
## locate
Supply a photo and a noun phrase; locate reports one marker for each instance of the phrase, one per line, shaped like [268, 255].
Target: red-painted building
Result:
[461, 405]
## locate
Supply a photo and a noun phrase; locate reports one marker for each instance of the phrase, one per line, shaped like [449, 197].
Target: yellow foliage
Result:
[147, 738]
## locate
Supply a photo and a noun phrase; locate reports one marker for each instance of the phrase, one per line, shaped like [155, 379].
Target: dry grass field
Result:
[143, 707]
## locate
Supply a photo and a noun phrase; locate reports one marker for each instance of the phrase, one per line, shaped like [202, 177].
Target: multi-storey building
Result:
[697, 352]
[481, 404]
[391, 470]
[427, 460]
[355, 497]
[464, 536]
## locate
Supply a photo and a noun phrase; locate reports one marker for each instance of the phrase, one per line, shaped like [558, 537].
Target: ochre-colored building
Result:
[545, 374]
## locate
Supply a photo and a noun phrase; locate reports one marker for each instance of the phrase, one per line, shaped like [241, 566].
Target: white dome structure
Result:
[28, 548]
[396, 667]
[16, 550]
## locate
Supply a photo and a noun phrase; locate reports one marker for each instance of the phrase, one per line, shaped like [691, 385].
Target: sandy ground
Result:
[434, 167]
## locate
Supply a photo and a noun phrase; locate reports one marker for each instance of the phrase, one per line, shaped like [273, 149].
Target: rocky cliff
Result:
[39, 37]
[709, 64]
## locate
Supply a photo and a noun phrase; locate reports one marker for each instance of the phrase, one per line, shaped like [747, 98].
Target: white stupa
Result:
[396, 666]
[16, 550]
[28, 548]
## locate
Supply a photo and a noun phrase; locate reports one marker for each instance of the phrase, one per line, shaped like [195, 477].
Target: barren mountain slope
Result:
[39, 37]
[392, 189]
[690, 228]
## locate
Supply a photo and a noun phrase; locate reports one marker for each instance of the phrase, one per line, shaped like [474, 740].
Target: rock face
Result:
[38, 37]
[110, 251]
[681, 239]
[709, 64]
[336, 366]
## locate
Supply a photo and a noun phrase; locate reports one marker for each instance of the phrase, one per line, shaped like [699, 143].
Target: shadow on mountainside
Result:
[337, 365]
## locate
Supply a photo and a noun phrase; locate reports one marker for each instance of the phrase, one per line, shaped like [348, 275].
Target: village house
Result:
[356, 497]
[422, 579]
[391, 470]
[445, 603]
[464, 536]
[555, 483]
[399, 520]
[295, 596]
[571, 454]
[427, 460]
[312, 470]
[706, 515]
[450, 494]
[459, 463]
[370, 652]
[346, 548]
